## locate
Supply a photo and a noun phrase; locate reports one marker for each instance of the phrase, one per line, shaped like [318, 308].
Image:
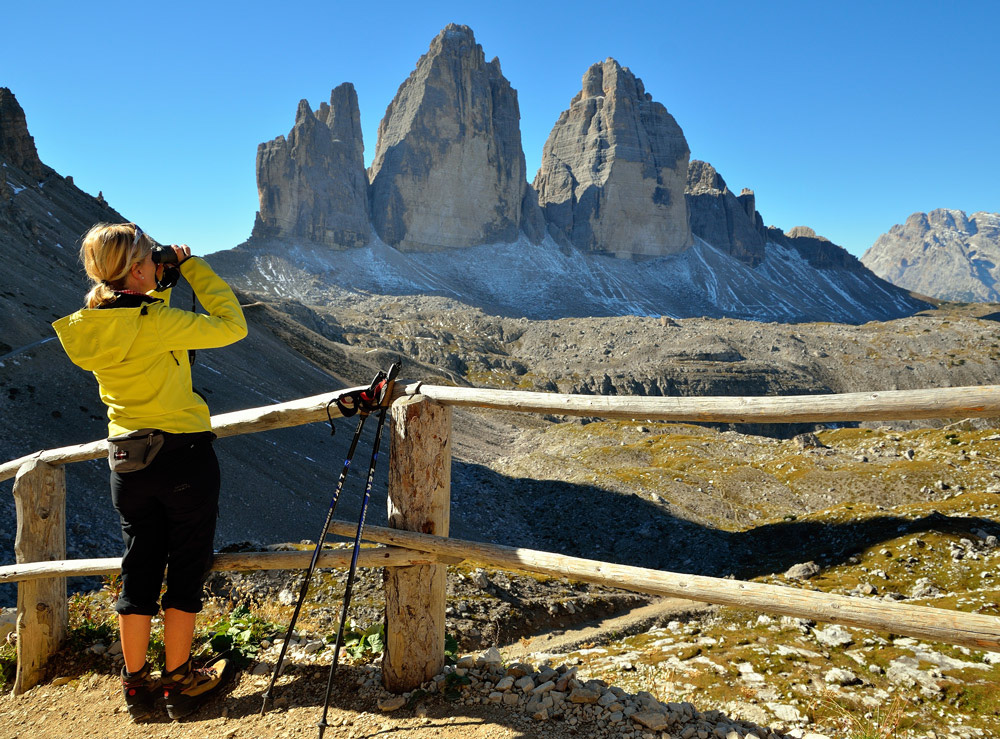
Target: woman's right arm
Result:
[224, 324]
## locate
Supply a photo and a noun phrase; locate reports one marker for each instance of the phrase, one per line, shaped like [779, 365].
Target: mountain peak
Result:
[943, 253]
[312, 184]
[17, 146]
[449, 169]
[614, 170]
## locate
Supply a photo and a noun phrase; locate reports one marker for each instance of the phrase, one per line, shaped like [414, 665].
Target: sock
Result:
[137, 673]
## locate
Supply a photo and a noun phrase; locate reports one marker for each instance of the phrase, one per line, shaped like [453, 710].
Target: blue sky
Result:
[846, 117]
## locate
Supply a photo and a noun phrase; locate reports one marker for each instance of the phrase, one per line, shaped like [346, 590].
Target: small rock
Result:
[392, 703]
[803, 571]
[525, 684]
[839, 676]
[833, 636]
[505, 684]
[808, 440]
[924, 588]
[313, 646]
[653, 720]
[607, 699]
[491, 656]
[584, 695]
[784, 712]
[510, 699]
[519, 669]
[261, 668]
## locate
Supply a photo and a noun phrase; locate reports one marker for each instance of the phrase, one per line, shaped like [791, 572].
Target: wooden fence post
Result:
[419, 500]
[42, 609]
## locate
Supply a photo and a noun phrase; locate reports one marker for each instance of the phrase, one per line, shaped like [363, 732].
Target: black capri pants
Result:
[168, 512]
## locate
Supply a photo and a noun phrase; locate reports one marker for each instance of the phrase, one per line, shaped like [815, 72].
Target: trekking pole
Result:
[348, 406]
[383, 402]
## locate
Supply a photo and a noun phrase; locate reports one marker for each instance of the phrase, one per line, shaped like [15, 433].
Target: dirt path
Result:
[635, 621]
[91, 706]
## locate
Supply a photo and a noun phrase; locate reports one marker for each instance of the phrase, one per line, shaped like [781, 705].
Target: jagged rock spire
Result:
[614, 170]
[449, 169]
[722, 219]
[17, 146]
[312, 184]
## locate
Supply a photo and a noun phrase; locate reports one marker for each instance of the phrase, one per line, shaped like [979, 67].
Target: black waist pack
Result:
[135, 450]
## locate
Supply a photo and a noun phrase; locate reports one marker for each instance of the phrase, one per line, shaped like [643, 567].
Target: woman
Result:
[136, 345]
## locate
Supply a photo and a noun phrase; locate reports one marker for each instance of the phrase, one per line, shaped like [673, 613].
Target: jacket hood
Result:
[95, 339]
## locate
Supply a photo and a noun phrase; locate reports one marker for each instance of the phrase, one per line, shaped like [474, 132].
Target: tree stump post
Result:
[419, 500]
[42, 608]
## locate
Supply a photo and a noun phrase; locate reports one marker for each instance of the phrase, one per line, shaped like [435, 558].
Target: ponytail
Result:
[100, 294]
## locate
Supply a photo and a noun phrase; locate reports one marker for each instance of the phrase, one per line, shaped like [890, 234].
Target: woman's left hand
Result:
[183, 252]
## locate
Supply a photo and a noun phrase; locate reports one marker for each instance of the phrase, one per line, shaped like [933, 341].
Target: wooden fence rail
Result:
[419, 500]
[937, 624]
[978, 401]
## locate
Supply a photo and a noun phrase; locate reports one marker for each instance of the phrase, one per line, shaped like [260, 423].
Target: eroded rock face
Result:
[944, 254]
[17, 146]
[724, 220]
[819, 251]
[313, 184]
[614, 170]
[449, 169]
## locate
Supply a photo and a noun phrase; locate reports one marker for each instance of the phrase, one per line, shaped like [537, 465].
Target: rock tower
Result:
[614, 170]
[313, 184]
[449, 169]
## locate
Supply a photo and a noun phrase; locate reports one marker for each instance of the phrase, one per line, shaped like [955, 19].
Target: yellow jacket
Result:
[139, 354]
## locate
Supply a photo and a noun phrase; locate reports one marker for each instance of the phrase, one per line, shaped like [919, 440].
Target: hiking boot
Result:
[141, 690]
[187, 687]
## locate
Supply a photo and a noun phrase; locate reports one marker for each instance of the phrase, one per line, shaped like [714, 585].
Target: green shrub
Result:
[240, 634]
[364, 643]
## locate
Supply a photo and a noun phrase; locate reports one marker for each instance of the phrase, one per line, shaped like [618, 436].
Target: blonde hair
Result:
[107, 254]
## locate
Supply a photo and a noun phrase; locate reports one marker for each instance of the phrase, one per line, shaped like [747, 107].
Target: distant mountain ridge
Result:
[616, 181]
[943, 254]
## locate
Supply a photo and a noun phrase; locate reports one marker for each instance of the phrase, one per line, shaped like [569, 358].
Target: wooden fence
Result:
[416, 548]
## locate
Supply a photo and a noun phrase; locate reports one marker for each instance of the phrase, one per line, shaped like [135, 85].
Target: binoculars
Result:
[164, 255]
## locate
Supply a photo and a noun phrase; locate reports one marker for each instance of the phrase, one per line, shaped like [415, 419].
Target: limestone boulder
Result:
[944, 254]
[724, 220]
[313, 184]
[449, 169]
[614, 170]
